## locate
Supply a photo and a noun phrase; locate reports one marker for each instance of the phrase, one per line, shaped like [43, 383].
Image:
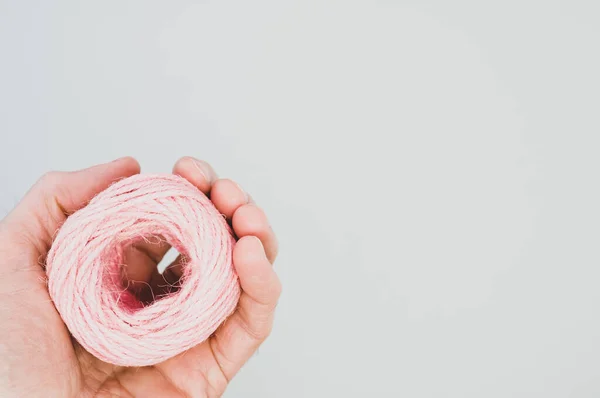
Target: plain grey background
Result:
[430, 167]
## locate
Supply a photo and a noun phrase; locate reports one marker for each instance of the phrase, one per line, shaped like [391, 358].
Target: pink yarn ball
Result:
[85, 279]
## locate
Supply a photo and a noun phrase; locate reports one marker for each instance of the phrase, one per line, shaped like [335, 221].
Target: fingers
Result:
[231, 201]
[237, 339]
[228, 197]
[58, 194]
[209, 366]
[241, 334]
[251, 220]
[198, 172]
[246, 218]
[257, 278]
[213, 363]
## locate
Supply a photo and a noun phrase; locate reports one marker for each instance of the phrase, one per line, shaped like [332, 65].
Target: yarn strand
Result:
[85, 275]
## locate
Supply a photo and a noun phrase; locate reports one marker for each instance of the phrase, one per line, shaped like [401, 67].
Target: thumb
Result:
[58, 194]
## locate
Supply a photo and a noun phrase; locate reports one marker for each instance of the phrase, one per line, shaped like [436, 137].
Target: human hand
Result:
[38, 355]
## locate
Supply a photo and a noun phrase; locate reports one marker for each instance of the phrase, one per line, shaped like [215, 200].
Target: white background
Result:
[430, 167]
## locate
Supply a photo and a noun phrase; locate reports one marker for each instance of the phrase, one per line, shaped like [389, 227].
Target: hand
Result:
[37, 355]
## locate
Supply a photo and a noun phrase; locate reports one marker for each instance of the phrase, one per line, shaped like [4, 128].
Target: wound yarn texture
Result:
[85, 271]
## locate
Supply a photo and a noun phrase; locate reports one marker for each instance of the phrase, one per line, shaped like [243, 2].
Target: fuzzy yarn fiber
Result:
[85, 271]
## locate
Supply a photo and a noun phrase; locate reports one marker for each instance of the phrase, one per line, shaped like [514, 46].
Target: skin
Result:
[39, 357]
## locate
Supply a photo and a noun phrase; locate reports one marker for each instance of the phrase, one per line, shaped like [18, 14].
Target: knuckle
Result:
[267, 330]
[260, 332]
[50, 187]
[269, 292]
[50, 179]
[257, 320]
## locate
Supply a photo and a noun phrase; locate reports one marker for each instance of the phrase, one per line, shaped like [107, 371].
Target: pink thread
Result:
[85, 279]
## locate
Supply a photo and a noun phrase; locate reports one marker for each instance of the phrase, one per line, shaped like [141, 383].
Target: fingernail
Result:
[246, 196]
[258, 242]
[255, 239]
[201, 166]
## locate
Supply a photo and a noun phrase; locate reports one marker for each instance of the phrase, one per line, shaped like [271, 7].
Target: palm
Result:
[46, 361]
[101, 378]
[89, 376]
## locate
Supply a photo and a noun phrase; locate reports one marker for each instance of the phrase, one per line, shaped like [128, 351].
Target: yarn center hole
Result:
[145, 275]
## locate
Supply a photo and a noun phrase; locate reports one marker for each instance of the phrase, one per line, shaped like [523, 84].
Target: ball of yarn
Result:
[85, 271]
